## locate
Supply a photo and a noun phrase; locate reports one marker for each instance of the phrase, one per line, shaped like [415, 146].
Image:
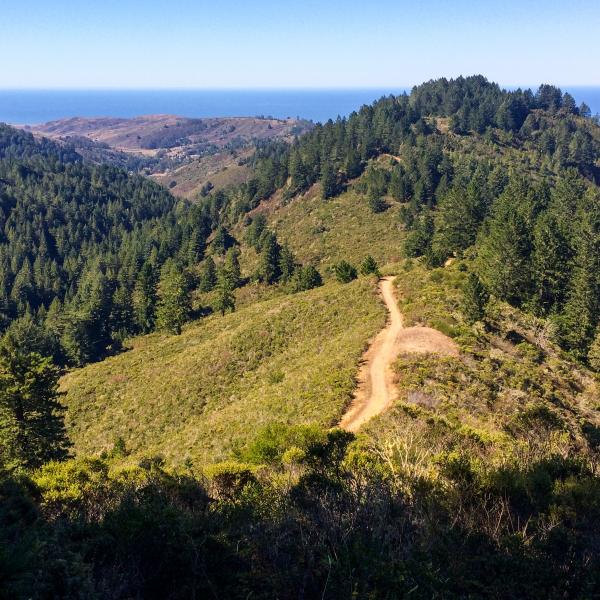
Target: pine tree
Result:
[328, 181]
[475, 299]
[222, 241]
[144, 299]
[173, 305]
[306, 278]
[208, 275]
[455, 224]
[503, 261]
[377, 204]
[353, 164]
[551, 258]
[269, 270]
[121, 315]
[225, 300]
[297, 172]
[231, 267]
[31, 424]
[344, 272]
[287, 263]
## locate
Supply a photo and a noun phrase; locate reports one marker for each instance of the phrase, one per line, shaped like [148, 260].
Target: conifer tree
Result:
[231, 267]
[208, 275]
[369, 266]
[144, 299]
[328, 181]
[225, 300]
[344, 272]
[121, 314]
[269, 270]
[475, 299]
[173, 299]
[306, 278]
[503, 262]
[31, 423]
[287, 263]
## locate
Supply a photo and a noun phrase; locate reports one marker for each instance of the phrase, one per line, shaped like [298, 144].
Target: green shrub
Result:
[345, 272]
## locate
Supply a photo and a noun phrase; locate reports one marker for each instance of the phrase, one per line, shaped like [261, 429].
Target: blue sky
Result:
[297, 43]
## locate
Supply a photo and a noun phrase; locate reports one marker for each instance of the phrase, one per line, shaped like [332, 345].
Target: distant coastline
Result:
[31, 107]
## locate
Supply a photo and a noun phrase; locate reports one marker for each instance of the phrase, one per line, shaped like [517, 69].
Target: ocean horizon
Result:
[31, 107]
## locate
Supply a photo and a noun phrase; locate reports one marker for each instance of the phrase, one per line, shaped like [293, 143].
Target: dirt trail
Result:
[376, 388]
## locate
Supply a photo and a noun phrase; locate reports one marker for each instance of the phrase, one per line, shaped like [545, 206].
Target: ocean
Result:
[29, 107]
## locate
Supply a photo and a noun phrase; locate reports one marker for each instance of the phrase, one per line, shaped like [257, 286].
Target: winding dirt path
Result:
[376, 388]
[375, 391]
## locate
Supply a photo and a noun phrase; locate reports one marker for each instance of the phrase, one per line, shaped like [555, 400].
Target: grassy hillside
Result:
[510, 393]
[341, 228]
[195, 396]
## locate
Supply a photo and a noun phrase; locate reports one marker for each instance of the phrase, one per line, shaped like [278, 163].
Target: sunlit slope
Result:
[341, 228]
[197, 395]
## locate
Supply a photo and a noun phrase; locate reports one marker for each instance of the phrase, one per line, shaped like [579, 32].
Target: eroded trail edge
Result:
[376, 389]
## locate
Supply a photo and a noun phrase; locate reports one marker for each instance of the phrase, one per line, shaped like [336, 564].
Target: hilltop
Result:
[183, 154]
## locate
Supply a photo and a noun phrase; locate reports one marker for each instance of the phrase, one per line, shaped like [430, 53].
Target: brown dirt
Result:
[376, 389]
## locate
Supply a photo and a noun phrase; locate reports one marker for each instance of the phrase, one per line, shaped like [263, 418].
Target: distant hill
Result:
[181, 153]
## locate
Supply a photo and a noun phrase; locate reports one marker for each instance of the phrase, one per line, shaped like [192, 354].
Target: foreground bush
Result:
[310, 514]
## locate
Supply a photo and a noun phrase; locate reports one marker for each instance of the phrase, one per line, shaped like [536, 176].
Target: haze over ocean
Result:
[28, 107]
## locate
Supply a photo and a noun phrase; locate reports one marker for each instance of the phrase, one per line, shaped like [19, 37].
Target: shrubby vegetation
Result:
[306, 513]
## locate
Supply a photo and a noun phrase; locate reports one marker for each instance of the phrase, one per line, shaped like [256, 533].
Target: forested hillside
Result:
[178, 459]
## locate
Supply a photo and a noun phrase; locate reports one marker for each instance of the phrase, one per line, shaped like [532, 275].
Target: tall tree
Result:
[31, 423]
[328, 180]
[208, 275]
[287, 263]
[225, 300]
[173, 299]
[503, 261]
[231, 267]
[269, 270]
[144, 299]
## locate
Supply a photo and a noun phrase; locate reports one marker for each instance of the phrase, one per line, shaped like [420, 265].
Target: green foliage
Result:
[269, 269]
[475, 299]
[31, 422]
[144, 299]
[287, 263]
[503, 255]
[231, 267]
[344, 272]
[225, 299]
[227, 376]
[329, 185]
[208, 275]
[173, 299]
[377, 204]
[306, 278]
[369, 266]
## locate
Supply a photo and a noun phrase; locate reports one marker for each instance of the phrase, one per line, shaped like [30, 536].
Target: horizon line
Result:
[267, 88]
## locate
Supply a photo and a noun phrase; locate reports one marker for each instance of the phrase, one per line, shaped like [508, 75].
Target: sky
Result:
[155, 44]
